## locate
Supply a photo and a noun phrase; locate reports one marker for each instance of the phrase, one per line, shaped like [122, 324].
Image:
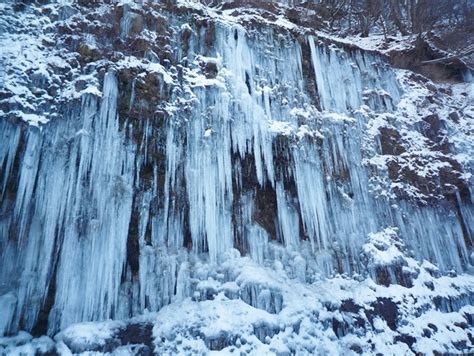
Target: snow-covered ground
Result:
[244, 307]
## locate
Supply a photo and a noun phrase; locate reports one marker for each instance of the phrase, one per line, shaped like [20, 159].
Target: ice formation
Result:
[244, 188]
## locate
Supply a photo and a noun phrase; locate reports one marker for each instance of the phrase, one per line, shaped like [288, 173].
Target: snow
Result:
[236, 322]
[382, 248]
[304, 130]
[186, 27]
[208, 132]
[134, 62]
[32, 119]
[88, 335]
[311, 233]
[281, 127]
[376, 42]
[336, 117]
[282, 22]
[93, 90]
[197, 79]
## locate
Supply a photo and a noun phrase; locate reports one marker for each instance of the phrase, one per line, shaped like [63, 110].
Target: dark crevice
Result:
[41, 326]
[133, 248]
[308, 73]
[247, 82]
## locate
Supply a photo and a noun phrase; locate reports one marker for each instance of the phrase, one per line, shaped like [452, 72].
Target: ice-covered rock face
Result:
[164, 154]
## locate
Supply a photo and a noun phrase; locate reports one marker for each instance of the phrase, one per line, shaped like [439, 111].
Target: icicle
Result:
[97, 215]
[288, 219]
[342, 78]
[8, 152]
[312, 199]
[66, 229]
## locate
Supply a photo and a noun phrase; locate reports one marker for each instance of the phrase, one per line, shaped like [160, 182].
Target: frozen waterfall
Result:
[103, 217]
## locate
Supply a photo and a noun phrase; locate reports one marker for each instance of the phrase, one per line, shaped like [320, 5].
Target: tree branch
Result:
[450, 57]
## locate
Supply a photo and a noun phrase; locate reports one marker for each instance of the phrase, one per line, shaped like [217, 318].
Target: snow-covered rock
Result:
[188, 179]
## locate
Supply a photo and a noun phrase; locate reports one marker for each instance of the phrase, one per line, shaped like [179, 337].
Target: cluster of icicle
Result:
[68, 189]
